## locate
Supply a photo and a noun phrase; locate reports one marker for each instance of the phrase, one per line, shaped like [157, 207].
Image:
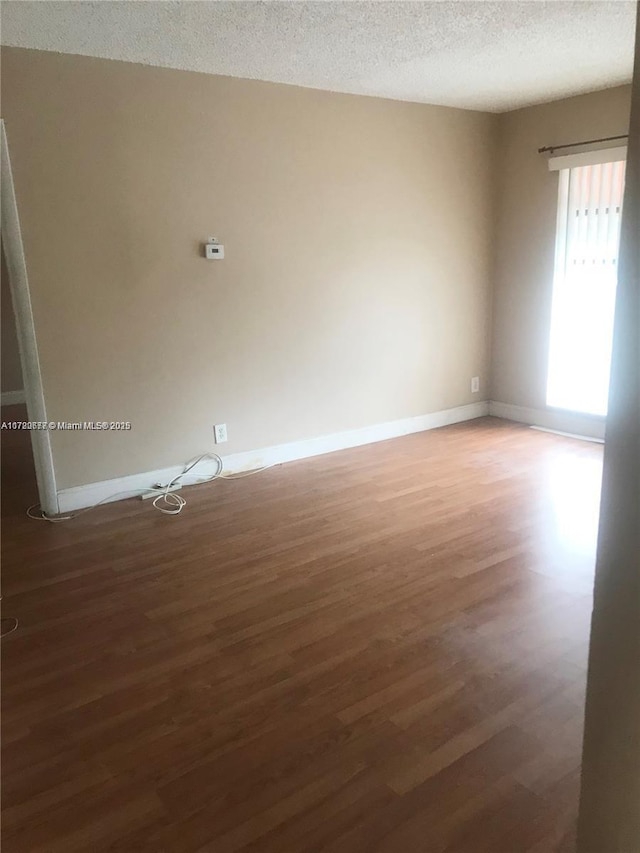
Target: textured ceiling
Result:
[491, 56]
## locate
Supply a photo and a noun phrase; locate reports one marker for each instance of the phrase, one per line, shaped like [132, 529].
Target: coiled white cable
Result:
[173, 503]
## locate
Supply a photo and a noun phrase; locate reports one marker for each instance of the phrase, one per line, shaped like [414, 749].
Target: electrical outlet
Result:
[158, 489]
[220, 432]
[475, 384]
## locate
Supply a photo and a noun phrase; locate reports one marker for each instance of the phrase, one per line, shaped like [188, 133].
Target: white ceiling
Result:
[482, 55]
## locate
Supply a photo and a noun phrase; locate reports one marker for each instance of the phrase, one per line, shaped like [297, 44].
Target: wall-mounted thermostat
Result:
[213, 250]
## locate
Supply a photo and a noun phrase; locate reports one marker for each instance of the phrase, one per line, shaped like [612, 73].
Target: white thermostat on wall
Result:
[213, 250]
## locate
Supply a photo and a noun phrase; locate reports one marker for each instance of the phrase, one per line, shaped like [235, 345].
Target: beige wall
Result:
[10, 370]
[526, 222]
[356, 284]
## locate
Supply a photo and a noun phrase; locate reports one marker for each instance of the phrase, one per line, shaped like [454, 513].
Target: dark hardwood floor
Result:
[381, 649]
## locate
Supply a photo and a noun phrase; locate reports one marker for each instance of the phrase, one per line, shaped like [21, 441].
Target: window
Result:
[584, 289]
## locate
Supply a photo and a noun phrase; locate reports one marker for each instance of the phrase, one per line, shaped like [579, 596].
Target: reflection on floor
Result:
[381, 649]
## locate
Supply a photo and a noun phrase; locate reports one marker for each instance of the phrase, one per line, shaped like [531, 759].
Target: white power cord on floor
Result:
[173, 503]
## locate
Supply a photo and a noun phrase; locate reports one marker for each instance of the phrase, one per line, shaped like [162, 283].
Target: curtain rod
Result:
[552, 148]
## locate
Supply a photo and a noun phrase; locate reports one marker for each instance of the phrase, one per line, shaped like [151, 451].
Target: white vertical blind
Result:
[585, 286]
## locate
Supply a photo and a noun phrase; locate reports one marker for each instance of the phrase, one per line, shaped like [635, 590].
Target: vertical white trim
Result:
[27, 344]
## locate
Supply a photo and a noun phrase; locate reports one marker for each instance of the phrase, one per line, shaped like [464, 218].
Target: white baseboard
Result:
[588, 426]
[568, 434]
[10, 398]
[105, 491]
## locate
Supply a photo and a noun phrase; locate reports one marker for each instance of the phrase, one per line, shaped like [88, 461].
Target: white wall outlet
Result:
[475, 384]
[213, 251]
[220, 432]
[158, 489]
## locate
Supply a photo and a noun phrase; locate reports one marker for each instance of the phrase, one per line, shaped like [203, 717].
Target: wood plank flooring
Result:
[381, 649]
